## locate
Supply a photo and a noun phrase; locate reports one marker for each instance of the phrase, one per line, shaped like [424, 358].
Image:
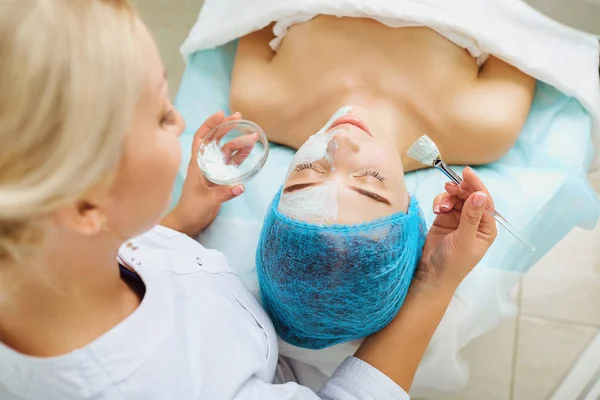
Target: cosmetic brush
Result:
[427, 153]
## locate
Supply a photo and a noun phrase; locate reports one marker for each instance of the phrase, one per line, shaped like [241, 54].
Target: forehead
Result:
[152, 64]
[354, 208]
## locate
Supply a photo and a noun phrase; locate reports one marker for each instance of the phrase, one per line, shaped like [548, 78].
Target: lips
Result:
[352, 120]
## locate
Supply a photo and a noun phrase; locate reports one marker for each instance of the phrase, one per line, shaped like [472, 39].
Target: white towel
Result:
[509, 29]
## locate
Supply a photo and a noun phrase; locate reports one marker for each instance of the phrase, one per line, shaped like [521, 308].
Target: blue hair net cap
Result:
[327, 284]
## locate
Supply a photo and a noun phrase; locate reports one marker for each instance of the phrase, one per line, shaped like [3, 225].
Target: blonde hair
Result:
[69, 83]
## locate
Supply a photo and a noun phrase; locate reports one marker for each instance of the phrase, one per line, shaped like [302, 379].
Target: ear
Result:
[82, 217]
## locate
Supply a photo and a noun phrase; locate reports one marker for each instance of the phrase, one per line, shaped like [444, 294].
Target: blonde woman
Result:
[98, 302]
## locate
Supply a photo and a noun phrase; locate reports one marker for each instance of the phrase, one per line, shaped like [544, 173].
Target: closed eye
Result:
[308, 165]
[371, 172]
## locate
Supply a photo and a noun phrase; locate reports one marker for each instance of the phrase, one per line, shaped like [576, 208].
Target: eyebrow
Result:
[300, 186]
[371, 195]
[366, 193]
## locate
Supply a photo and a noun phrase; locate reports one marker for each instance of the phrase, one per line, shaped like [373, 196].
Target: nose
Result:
[180, 122]
[342, 140]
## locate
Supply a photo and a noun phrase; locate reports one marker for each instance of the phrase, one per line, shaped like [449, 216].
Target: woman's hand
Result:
[460, 236]
[200, 199]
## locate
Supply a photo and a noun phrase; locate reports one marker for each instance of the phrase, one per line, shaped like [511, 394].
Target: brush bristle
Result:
[424, 151]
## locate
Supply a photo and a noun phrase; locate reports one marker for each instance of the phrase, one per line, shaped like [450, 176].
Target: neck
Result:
[402, 127]
[66, 300]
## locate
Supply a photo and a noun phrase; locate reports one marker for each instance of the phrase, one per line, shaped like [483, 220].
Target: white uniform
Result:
[197, 334]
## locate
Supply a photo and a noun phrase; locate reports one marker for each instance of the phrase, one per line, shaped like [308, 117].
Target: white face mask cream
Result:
[319, 146]
[315, 204]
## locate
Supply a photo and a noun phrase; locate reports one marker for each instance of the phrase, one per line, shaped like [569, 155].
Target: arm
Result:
[458, 239]
[493, 110]
[408, 335]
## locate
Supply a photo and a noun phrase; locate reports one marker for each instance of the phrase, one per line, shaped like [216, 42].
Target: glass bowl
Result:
[233, 152]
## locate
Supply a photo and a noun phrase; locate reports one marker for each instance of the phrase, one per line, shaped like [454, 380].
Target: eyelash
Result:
[369, 172]
[373, 173]
[305, 165]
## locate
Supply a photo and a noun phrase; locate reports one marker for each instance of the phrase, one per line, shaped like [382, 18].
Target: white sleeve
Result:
[353, 380]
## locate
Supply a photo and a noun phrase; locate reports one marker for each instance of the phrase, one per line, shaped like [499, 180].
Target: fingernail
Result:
[238, 190]
[445, 206]
[436, 208]
[478, 199]
[451, 184]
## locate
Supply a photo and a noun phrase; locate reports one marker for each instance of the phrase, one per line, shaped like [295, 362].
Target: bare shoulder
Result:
[255, 85]
[493, 109]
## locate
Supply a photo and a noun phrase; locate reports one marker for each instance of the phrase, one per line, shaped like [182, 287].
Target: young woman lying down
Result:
[343, 236]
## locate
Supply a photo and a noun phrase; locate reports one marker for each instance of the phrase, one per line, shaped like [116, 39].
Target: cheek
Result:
[315, 149]
[143, 188]
[384, 157]
[159, 163]
[387, 151]
[163, 166]
[172, 153]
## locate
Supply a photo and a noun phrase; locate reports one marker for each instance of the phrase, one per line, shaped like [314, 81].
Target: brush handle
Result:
[511, 229]
[442, 166]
